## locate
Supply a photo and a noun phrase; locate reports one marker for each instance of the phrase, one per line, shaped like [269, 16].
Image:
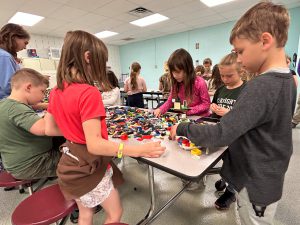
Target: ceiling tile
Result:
[35, 7]
[98, 15]
[67, 13]
[90, 19]
[158, 6]
[115, 8]
[90, 6]
[14, 5]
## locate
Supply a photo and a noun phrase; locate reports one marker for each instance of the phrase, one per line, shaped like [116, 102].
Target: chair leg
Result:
[40, 183]
[204, 180]
[21, 189]
[30, 190]
[64, 220]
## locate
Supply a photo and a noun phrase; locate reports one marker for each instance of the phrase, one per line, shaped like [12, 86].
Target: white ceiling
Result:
[98, 15]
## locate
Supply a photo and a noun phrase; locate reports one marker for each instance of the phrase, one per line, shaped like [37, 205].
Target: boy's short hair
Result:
[263, 17]
[231, 59]
[28, 75]
[207, 60]
[200, 69]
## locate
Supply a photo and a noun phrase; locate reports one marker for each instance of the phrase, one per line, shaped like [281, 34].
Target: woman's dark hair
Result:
[8, 34]
[182, 60]
[216, 77]
[112, 79]
[135, 68]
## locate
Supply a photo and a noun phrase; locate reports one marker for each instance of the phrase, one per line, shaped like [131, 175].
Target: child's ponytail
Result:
[135, 68]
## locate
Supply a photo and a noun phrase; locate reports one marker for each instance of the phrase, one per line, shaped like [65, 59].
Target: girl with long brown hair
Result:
[134, 86]
[186, 86]
[85, 170]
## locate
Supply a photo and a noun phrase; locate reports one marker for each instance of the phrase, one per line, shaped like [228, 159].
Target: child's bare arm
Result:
[144, 86]
[99, 146]
[51, 128]
[38, 128]
[126, 86]
[40, 106]
[221, 111]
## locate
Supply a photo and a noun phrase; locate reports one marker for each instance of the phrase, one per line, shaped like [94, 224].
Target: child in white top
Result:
[112, 97]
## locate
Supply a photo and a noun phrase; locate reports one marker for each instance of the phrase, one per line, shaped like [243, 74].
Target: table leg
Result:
[151, 216]
[152, 195]
[152, 100]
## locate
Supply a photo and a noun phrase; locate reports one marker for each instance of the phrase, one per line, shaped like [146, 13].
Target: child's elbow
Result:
[92, 148]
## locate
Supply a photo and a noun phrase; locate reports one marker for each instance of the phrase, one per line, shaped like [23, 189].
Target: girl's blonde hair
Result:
[231, 59]
[166, 67]
[76, 44]
[135, 68]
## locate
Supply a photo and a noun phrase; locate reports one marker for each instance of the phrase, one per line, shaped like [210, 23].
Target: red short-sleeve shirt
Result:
[74, 105]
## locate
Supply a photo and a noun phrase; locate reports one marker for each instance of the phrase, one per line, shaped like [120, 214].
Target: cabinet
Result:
[44, 66]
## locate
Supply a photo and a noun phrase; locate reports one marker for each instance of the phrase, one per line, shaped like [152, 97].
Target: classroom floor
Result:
[191, 208]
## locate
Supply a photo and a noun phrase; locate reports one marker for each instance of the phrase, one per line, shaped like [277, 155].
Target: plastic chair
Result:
[43, 208]
[7, 180]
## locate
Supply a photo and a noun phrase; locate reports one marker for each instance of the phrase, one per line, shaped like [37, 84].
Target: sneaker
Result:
[220, 185]
[74, 216]
[98, 208]
[294, 125]
[9, 188]
[225, 200]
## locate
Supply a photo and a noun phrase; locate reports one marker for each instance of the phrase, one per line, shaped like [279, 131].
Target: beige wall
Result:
[42, 44]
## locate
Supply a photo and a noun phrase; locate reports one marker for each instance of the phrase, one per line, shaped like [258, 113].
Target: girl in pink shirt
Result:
[186, 86]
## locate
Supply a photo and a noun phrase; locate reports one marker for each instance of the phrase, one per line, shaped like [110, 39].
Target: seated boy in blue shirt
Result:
[26, 152]
[258, 129]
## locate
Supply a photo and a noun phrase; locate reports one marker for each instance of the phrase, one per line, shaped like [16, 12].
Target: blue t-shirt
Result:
[8, 66]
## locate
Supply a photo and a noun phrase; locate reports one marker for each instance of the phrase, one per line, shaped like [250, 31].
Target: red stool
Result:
[43, 208]
[7, 180]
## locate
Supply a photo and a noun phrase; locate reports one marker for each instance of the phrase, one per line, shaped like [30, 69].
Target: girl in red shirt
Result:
[76, 111]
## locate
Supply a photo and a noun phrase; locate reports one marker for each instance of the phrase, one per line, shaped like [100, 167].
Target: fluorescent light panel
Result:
[105, 34]
[148, 20]
[212, 3]
[25, 19]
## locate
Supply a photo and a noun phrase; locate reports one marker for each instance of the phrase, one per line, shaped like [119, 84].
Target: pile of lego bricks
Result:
[130, 122]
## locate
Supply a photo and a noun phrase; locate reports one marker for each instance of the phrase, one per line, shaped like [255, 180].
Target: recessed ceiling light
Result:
[212, 3]
[25, 19]
[148, 20]
[105, 34]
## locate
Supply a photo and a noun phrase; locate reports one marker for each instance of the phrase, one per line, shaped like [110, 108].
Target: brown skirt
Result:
[78, 177]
